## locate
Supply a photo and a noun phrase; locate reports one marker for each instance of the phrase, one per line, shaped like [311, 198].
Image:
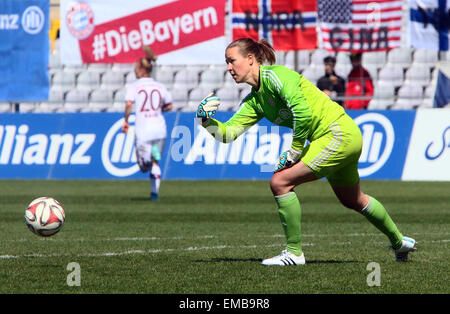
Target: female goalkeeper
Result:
[286, 98]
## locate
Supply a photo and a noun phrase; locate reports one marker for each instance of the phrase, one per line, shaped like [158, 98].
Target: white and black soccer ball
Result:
[45, 216]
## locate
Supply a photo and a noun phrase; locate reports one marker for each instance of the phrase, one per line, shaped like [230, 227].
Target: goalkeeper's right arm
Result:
[240, 122]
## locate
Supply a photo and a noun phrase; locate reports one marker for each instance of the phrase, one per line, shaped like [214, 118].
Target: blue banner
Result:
[442, 93]
[386, 137]
[92, 146]
[24, 50]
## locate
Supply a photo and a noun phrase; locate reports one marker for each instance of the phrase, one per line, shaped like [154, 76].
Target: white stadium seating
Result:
[404, 78]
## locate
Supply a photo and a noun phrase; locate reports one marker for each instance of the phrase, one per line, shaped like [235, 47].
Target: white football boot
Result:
[408, 245]
[286, 258]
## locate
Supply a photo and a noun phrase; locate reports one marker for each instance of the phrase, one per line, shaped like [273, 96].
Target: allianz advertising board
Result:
[92, 146]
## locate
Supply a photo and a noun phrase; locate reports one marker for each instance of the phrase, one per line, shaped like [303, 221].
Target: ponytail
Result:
[267, 52]
[144, 65]
[262, 49]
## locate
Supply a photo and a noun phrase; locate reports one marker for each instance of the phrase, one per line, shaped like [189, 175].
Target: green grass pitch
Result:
[209, 237]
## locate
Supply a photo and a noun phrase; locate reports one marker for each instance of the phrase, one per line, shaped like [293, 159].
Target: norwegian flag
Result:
[287, 25]
[359, 25]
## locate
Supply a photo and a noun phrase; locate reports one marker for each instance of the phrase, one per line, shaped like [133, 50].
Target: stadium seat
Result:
[425, 57]
[118, 104]
[375, 58]
[75, 100]
[54, 62]
[123, 68]
[428, 96]
[179, 97]
[408, 97]
[318, 55]
[55, 101]
[75, 69]
[100, 100]
[342, 69]
[444, 55]
[373, 71]
[25, 107]
[280, 56]
[63, 80]
[5, 107]
[130, 78]
[383, 97]
[211, 79]
[229, 97]
[88, 80]
[98, 67]
[391, 75]
[434, 75]
[343, 58]
[112, 80]
[244, 90]
[289, 60]
[228, 81]
[197, 94]
[165, 75]
[56, 48]
[400, 56]
[418, 74]
[303, 60]
[187, 77]
[313, 73]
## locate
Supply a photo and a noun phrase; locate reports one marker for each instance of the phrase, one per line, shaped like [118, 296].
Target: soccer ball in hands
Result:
[45, 216]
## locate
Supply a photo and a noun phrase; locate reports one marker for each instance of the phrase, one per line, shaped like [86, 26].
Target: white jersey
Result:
[148, 97]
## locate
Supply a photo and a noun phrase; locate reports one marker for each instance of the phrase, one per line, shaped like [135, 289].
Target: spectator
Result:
[332, 84]
[359, 85]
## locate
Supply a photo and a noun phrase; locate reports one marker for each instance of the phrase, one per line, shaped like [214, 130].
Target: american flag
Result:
[359, 25]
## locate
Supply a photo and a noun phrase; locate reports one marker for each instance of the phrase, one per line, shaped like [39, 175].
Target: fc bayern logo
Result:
[80, 20]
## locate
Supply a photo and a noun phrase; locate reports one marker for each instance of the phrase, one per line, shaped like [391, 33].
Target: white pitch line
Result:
[187, 238]
[217, 237]
[143, 252]
[191, 249]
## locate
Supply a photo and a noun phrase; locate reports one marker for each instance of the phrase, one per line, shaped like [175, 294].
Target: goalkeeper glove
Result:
[207, 108]
[287, 159]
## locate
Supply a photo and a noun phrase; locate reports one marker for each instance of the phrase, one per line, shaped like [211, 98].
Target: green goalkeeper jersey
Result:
[287, 99]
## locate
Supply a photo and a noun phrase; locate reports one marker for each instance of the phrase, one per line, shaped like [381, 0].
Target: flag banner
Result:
[442, 93]
[287, 25]
[178, 32]
[429, 24]
[24, 50]
[359, 25]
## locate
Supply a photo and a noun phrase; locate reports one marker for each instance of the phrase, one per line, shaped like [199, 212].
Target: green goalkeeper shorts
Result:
[335, 155]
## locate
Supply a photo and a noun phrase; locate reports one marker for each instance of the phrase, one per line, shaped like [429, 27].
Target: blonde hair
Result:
[262, 49]
[144, 65]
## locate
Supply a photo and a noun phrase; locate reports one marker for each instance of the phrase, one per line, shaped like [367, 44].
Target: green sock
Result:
[379, 217]
[290, 215]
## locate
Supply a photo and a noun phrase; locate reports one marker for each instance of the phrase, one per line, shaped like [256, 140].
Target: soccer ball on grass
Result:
[45, 216]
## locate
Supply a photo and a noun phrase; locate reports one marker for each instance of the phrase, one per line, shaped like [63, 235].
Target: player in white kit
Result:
[150, 98]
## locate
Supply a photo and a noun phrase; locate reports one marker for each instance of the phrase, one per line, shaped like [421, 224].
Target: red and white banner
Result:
[287, 25]
[359, 25]
[114, 31]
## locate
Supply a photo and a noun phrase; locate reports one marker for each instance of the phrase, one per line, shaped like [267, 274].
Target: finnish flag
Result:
[429, 24]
